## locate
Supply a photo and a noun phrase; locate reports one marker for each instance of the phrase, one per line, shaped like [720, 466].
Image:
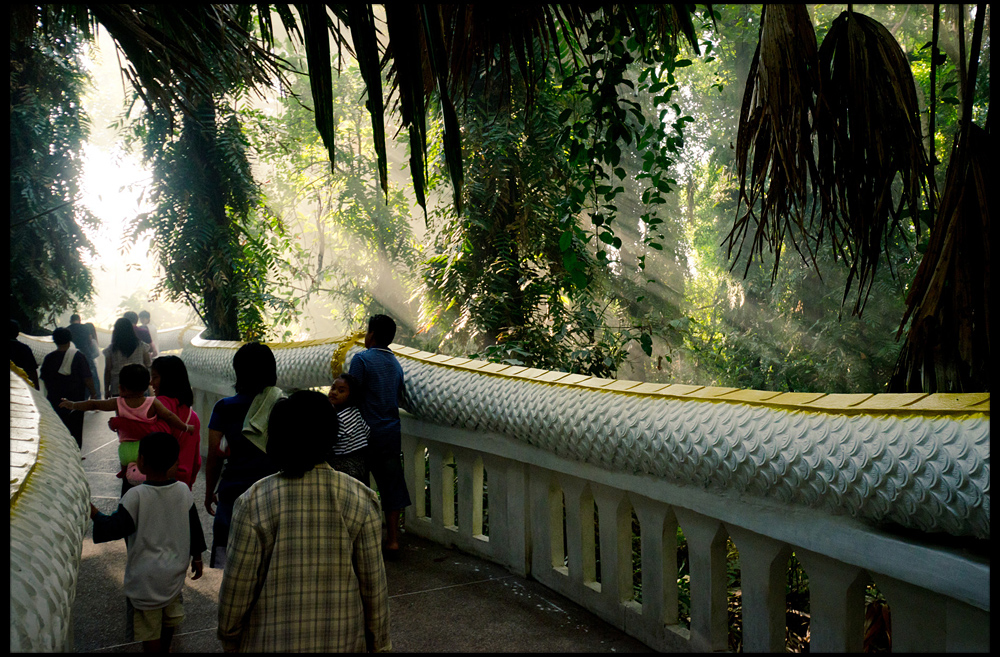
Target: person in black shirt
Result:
[83, 341]
[67, 380]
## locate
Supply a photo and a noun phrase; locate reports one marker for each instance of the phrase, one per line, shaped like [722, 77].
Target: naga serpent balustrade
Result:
[918, 461]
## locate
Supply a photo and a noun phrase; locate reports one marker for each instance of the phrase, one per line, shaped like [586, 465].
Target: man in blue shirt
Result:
[381, 380]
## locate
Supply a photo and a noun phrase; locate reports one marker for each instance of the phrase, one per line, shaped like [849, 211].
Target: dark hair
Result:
[134, 377]
[383, 329]
[255, 368]
[131, 316]
[300, 432]
[61, 336]
[174, 380]
[74, 318]
[356, 394]
[159, 451]
[123, 337]
[15, 329]
[91, 329]
[144, 313]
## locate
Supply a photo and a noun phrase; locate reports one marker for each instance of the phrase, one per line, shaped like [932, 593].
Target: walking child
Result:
[138, 415]
[160, 525]
[348, 451]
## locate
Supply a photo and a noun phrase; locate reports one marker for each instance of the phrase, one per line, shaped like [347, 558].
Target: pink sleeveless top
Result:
[141, 422]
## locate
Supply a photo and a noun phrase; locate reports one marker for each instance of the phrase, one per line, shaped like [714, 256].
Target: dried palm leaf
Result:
[776, 128]
[856, 96]
[179, 54]
[947, 347]
[869, 135]
[361, 19]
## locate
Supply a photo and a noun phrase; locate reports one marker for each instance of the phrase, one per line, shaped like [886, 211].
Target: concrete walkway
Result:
[441, 600]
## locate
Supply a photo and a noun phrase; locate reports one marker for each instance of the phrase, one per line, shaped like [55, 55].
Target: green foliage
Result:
[752, 332]
[519, 278]
[501, 283]
[348, 244]
[48, 130]
[211, 229]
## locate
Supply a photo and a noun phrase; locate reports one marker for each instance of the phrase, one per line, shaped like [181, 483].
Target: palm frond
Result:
[869, 134]
[776, 125]
[179, 52]
[830, 130]
[947, 347]
[435, 51]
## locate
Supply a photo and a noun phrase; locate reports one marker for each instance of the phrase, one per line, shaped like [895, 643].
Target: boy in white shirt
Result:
[160, 525]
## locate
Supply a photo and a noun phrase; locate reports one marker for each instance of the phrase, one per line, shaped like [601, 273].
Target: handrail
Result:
[820, 475]
[49, 501]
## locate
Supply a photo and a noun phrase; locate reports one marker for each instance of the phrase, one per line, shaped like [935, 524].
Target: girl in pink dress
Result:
[138, 415]
[169, 380]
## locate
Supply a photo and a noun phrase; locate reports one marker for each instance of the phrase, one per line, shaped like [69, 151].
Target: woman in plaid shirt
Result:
[304, 570]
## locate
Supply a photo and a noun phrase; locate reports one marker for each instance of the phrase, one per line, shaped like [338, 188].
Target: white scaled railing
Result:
[526, 467]
[49, 505]
[494, 454]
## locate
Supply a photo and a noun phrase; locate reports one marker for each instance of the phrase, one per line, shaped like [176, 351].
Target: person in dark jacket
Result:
[66, 375]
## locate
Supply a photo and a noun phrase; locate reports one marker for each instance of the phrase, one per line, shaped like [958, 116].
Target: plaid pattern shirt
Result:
[304, 570]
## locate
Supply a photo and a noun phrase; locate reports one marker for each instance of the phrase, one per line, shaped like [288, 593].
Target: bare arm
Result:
[168, 416]
[213, 468]
[90, 405]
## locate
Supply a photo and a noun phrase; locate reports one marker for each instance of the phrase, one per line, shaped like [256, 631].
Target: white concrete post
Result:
[918, 616]
[659, 579]
[575, 538]
[436, 459]
[408, 446]
[616, 535]
[467, 492]
[539, 484]
[588, 546]
[836, 603]
[477, 496]
[506, 537]
[706, 539]
[555, 531]
[517, 529]
[763, 575]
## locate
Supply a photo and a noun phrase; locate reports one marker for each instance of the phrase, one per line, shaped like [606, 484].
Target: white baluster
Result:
[616, 543]
[575, 538]
[659, 560]
[448, 492]
[556, 531]
[918, 616]
[436, 459]
[706, 540]
[467, 493]
[763, 577]
[516, 526]
[836, 603]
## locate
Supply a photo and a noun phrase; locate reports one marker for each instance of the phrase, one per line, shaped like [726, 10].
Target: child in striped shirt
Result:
[348, 452]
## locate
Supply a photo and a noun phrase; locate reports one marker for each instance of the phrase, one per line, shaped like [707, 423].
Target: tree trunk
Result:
[221, 313]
